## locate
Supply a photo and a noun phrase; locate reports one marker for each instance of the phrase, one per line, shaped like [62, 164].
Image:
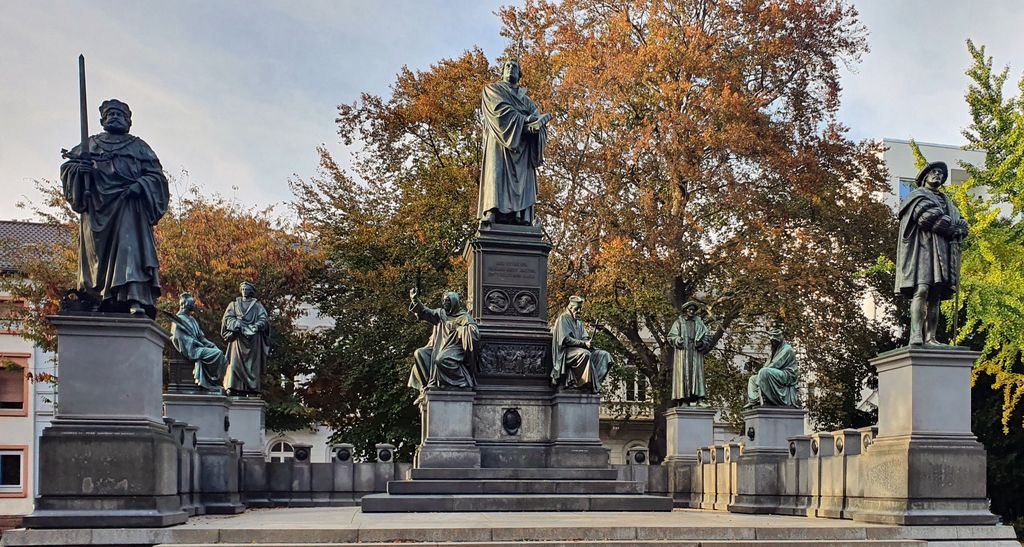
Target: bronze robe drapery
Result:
[928, 252]
[119, 203]
[776, 383]
[448, 357]
[511, 153]
[690, 340]
[188, 338]
[580, 367]
[246, 328]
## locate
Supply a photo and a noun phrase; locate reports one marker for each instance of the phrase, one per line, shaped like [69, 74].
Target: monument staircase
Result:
[513, 489]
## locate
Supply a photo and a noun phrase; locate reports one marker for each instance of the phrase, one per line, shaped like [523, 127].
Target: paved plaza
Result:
[348, 525]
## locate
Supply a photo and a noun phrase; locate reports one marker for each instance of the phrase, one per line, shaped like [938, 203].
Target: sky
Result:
[235, 95]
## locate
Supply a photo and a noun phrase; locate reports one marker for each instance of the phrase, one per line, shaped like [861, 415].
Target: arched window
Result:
[281, 451]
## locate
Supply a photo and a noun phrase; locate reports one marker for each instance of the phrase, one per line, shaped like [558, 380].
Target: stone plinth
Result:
[508, 292]
[766, 447]
[688, 428]
[447, 430]
[209, 413]
[767, 429]
[925, 467]
[575, 431]
[794, 480]
[108, 459]
[247, 423]
[219, 488]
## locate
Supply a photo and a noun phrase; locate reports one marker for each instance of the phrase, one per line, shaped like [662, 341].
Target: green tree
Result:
[992, 200]
[400, 222]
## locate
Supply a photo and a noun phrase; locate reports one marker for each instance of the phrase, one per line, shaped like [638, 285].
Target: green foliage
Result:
[401, 224]
[992, 200]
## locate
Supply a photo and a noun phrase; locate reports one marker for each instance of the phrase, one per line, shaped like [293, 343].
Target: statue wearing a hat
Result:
[246, 328]
[119, 189]
[928, 252]
[777, 382]
[690, 339]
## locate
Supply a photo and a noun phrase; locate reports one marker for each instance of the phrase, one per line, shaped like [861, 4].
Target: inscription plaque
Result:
[511, 270]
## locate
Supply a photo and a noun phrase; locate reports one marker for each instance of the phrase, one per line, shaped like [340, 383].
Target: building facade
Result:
[27, 390]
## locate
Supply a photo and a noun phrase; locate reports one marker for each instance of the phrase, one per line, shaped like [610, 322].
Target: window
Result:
[13, 384]
[12, 471]
[636, 388]
[281, 451]
[906, 185]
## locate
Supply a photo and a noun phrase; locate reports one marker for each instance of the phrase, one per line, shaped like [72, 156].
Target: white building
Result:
[26, 406]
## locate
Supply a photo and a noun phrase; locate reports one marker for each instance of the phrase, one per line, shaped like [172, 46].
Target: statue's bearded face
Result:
[511, 73]
[115, 121]
[246, 290]
[934, 178]
[574, 309]
[690, 311]
[188, 304]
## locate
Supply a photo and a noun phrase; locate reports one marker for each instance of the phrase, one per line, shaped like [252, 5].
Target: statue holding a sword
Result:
[115, 182]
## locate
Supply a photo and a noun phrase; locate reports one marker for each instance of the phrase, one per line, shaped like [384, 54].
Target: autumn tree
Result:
[206, 246]
[695, 152]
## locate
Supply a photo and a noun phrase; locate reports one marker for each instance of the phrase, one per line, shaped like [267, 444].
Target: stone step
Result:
[516, 473]
[454, 503]
[597, 543]
[420, 486]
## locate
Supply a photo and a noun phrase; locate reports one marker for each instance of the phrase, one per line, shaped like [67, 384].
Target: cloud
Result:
[239, 94]
[912, 84]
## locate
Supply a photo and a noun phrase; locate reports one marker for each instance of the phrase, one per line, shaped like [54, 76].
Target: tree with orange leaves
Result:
[694, 152]
[206, 245]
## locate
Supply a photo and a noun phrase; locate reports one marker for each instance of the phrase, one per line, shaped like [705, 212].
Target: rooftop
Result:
[16, 233]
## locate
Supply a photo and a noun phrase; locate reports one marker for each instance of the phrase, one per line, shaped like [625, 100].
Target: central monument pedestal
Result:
[516, 442]
[108, 459]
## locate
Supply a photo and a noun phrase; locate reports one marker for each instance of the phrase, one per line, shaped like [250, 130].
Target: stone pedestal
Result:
[219, 464]
[925, 467]
[247, 423]
[688, 428]
[766, 447]
[446, 419]
[508, 294]
[108, 459]
[575, 431]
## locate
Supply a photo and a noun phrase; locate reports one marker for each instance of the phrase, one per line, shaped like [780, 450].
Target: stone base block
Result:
[447, 422]
[254, 487]
[757, 484]
[578, 456]
[103, 475]
[219, 469]
[923, 481]
[767, 429]
[447, 454]
[688, 428]
[247, 423]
